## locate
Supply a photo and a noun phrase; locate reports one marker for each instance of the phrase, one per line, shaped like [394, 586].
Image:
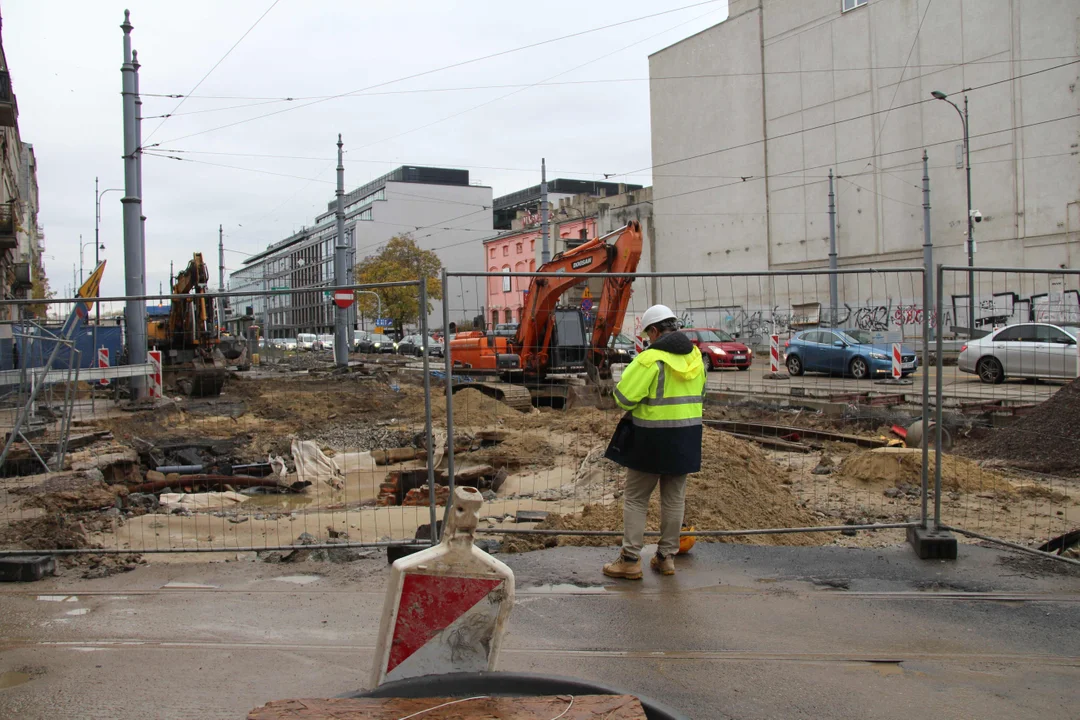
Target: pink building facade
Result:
[519, 251]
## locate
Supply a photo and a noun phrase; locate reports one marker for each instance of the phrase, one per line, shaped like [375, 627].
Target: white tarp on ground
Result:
[350, 462]
[201, 501]
[312, 465]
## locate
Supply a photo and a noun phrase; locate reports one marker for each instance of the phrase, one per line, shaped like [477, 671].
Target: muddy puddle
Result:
[13, 679]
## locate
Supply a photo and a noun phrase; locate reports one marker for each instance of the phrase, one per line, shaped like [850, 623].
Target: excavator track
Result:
[516, 396]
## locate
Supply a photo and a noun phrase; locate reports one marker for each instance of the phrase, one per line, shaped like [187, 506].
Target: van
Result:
[306, 341]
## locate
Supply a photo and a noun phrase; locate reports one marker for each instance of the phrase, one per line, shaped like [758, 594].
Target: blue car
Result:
[845, 352]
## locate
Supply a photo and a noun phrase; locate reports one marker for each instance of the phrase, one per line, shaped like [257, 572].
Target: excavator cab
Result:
[569, 341]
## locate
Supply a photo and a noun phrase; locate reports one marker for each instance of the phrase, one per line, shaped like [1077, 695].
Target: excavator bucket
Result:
[205, 380]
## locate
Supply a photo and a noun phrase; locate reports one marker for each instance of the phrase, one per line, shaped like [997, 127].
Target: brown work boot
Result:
[665, 565]
[625, 568]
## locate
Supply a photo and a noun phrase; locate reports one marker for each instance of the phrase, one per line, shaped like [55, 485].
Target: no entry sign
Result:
[343, 298]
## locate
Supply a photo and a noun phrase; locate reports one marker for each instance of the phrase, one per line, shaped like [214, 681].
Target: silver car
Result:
[1028, 350]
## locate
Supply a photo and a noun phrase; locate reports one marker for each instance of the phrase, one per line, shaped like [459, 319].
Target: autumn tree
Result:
[40, 291]
[400, 259]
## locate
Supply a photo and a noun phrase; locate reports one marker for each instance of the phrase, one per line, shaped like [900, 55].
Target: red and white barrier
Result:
[155, 388]
[774, 354]
[897, 362]
[103, 362]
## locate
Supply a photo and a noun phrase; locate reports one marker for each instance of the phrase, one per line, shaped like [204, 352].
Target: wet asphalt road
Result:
[739, 632]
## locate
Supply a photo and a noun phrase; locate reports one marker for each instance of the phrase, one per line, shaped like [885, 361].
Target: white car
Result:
[325, 342]
[306, 341]
[1027, 350]
[288, 343]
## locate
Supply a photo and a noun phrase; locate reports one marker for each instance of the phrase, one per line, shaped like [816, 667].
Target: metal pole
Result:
[928, 250]
[97, 254]
[82, 272]
[429, 435]
[937, 419]
[221, 276]
[545, 253]
[134, 310]
[341, 315]
[928, 294]
[970, 225]
[833, 300]
[448, 367]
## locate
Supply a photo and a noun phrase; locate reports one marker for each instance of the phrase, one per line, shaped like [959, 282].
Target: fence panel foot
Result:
[932, 544]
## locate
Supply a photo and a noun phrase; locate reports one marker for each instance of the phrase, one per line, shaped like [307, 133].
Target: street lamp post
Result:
[938, 95]
[82, 245]
[97, 235]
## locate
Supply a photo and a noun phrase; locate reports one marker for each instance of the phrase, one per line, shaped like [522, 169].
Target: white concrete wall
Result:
[809, 105]
[466, 210]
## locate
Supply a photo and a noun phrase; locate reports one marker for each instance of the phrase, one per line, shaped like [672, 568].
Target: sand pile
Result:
[889, 467]
[517, 450]
[738, 488]
[473, 408]
[1046, 440]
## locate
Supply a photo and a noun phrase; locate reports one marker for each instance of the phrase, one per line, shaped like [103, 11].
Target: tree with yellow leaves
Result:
[400, 259]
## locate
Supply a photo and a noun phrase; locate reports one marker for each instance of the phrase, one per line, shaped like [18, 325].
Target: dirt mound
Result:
[519, 449]
[738, 488]
[473, 408]
[1047, 439]
[903, 466]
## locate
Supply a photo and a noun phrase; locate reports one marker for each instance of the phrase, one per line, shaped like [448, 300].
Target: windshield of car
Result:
[713, 336]
[856, 337]
[305, 338]
[621, 339]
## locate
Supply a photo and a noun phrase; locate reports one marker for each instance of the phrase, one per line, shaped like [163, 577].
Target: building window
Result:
[506, 279]
[506, 250]
[518, 249]
[492, 252]
[846, 5]
[532, 266]
[532, 245]
[494, 318]
[509, 315]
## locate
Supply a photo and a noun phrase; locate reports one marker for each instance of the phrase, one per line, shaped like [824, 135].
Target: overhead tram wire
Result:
[443, 68]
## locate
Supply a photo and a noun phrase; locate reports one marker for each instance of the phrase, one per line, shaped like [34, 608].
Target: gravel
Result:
[1046, 440]
[359, 438]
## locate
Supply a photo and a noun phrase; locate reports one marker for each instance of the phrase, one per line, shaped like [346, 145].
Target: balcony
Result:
[8, 241]
[8, 110]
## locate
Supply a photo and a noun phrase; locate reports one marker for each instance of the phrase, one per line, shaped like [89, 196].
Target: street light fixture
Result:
[97, 239]
[938, 95]
[82, 274]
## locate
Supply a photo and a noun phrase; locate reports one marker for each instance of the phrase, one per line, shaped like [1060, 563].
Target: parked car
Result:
[719, 349]
[506, 330]
[382, 344]
[325, 342]
[623, 349]
[1028, 350]
[413, 345]
[306, 341]
[845, 352]
[288, 343]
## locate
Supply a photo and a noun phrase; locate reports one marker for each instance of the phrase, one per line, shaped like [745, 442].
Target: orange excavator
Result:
[552, 338]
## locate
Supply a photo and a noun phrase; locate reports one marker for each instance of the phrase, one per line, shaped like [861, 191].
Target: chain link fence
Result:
[792, 454]
[254, 440]
[1012, 418]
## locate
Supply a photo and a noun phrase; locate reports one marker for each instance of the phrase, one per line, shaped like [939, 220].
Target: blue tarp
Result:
[35, 352]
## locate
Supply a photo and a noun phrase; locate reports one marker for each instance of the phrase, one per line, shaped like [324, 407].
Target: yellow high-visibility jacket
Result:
[663, 390]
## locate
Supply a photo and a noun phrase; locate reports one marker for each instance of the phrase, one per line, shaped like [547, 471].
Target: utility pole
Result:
[221, 276]
[341, 315]
[171, 281]
[928, 246]
[545, 253]
[138, 171]
[834, 302]
[971, 225]
[134, 310]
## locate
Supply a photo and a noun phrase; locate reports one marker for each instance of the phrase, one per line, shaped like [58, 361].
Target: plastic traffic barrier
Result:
[446, 607]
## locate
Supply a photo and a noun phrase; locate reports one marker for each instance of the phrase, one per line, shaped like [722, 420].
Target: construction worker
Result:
[658, 440]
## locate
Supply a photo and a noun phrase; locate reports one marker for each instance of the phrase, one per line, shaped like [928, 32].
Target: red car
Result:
[719, 349]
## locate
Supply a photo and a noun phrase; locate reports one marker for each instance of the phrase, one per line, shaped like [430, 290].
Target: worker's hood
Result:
[677, 352]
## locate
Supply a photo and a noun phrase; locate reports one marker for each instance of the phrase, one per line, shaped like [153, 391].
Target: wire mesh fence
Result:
[1006, 399]
[246, 438]
[807, 441]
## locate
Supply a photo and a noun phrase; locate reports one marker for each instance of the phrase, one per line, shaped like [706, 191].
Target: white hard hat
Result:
[655, 314]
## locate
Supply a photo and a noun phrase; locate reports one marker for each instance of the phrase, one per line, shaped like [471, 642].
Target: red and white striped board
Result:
[897, 362]
[103, 362]
[774, 354]
[154, 387]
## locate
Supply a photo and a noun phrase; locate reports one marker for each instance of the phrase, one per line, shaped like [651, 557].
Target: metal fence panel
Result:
[294, 453]
[1007, 401]
[780, 455]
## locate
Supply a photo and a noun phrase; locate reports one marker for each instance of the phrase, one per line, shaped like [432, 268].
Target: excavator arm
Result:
[533, 339]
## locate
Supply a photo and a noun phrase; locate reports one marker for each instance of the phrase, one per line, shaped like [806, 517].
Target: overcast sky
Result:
[65, 55]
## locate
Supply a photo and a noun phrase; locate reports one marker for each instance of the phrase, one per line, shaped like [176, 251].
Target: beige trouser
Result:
[639, 486]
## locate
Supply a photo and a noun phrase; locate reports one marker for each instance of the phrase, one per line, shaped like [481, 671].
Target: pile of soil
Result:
[1046, 440]
[738, 487]
[307, 403]
[518, 450]
[903, 466]
[75, 492]
[473, 408]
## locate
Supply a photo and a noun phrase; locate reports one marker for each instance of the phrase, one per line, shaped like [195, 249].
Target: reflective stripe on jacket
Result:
[663, 392]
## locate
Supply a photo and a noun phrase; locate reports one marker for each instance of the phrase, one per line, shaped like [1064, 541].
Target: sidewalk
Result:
[742, 631]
